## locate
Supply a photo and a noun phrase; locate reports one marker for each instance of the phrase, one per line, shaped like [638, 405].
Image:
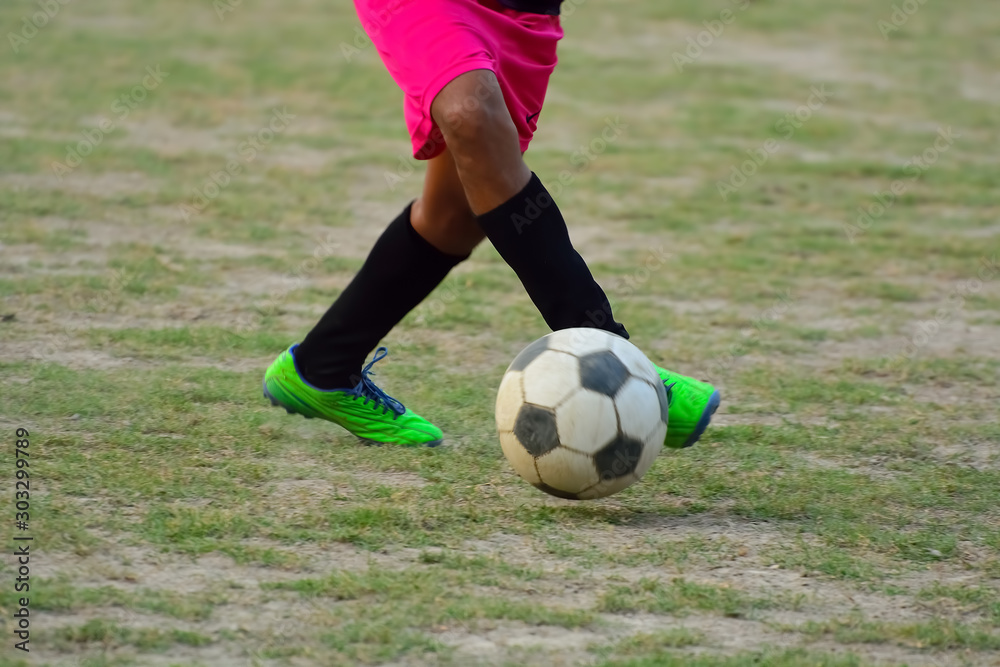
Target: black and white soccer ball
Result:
[581, 413]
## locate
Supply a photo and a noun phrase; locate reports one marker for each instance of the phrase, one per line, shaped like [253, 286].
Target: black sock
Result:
[401, 270]
[530, 234]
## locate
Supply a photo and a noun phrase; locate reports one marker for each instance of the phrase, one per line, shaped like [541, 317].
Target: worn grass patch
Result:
[680, 595]
[931, 635]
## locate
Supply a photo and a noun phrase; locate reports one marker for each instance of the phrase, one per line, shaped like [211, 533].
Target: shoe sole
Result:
[706, 418]
[375, 443]
[364, 441]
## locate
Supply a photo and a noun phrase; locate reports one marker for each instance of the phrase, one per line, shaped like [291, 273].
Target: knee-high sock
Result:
[401, 270]
[530, 234]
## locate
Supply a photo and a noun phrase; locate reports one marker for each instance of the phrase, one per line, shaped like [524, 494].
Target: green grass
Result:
[658, 657]
[679, 595]
[368, 608]
[111, 635]
[427, 593]
[975, 599]
[62, 596]
[186, 519]
[931, 635]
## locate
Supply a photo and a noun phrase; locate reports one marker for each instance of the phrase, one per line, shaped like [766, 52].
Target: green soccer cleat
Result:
[691, 406]
[366, 411]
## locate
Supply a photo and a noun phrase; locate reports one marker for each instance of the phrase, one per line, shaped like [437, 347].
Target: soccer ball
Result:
[581, 413]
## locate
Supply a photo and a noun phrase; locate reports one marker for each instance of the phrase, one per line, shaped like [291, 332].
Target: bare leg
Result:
[442, 214]
[482, 138]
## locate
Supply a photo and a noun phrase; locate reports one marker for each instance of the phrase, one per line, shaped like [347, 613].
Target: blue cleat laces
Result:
[367, 390]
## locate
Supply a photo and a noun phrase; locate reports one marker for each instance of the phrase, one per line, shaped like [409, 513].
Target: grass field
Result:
[798, 202]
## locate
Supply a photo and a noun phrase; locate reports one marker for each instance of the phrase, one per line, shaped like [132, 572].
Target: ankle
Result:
[323, 378]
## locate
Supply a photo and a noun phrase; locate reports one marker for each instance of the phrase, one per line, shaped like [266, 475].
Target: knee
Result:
[472, 113]
[470, 120]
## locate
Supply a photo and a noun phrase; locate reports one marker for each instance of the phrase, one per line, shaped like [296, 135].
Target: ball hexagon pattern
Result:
[536, 430]
[618, 458]
[581, 413]
[602, 372]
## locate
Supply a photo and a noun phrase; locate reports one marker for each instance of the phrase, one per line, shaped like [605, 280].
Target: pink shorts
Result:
[425, 44]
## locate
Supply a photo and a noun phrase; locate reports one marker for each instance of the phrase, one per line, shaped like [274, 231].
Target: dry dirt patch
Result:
[980, 455]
